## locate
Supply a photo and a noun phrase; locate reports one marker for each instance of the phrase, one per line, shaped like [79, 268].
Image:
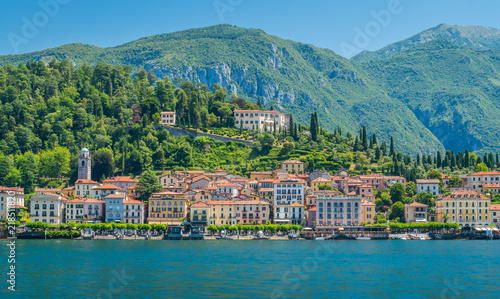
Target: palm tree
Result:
[445, 218]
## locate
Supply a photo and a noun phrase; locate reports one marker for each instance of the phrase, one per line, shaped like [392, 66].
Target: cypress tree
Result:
[438, 159]
[453, 161]
[467, 158]
[491, 160]
[418, 159]
[340, 131]
[377, 153]
[312, 128]
[478, 160]
[375, 141]
[371, 142]
[392, 146]
[384, 148]
[424, 159]
[497, 159]
[365, 140]
[429, 159]
[356, 144]
[291, 125]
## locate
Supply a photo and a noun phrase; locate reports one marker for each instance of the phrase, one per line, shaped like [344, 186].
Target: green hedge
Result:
[54, 234]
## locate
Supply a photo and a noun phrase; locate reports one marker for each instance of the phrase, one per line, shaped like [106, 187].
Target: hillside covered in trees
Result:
[48, 112]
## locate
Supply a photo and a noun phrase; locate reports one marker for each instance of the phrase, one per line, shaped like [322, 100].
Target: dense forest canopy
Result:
[48, 112]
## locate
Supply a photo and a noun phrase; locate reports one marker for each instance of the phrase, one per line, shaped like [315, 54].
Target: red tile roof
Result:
[200, 204]
[226, 185]
[106, 187]
[132, 201]
[417, 204]
[487, 173]
[85, 181]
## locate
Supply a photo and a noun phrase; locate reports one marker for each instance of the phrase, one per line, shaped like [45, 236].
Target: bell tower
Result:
[84, 165]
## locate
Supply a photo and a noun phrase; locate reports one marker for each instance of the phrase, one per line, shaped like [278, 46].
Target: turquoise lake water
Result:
[253, 269]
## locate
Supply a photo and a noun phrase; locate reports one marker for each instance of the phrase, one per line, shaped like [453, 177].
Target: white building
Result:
[288, 191]
[102, 191]
[167, 118]
[84, 187]
[114, 207]
[428, 185]
[133, 211]
[75, 210]
[227, 190]
[48, 208]
[261, 120]
[289, 214]
[476, 180]
[288, 201]
[10, 198]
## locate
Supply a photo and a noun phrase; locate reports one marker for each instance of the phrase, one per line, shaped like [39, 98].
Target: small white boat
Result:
[422, 238]
[319, 239]
[403, 238]
[363, 238]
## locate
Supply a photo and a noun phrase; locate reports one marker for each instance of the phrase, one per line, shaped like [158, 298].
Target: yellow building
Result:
[266, 194]
[490, 188]
[368, 211]
[260, 175]
[294, 166]
[319, 181]
[467, 208]
[222, 212]
[167, 209]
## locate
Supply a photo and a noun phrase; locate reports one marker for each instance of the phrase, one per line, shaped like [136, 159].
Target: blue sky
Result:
[25, 26]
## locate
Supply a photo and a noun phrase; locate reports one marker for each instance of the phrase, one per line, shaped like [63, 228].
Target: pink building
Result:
[124, 182]
[93, 208]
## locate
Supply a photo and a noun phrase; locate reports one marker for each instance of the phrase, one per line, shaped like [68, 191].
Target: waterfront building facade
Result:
[222, 212]
[252, 211]
[114, 207]
[465, 207]
[415, 212]
[49, 208]
[133, 211]
[338, 210]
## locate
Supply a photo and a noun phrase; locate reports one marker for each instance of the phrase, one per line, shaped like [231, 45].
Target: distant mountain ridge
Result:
[408, 95]
[475, 37]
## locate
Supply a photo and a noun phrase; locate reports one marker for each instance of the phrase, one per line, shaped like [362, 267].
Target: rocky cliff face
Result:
[240, 81]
